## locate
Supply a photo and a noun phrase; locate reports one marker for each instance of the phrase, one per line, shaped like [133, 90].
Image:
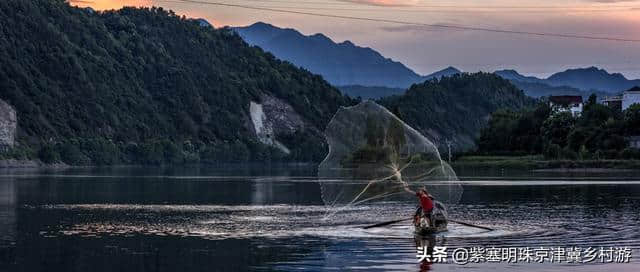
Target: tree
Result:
[595, 115]
[591, 101]
[552, 151]
[557, 127]
[632, 120]
[577, 138]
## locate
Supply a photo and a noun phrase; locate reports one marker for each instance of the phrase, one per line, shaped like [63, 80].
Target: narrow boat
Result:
[437, 222]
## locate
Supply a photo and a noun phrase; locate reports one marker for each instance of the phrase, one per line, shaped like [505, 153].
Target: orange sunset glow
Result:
[490, 51]
[110, 4]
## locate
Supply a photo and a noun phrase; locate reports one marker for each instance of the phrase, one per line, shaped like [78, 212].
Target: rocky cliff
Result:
[274, 117]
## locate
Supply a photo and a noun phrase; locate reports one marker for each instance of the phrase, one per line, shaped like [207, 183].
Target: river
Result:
[272, 218]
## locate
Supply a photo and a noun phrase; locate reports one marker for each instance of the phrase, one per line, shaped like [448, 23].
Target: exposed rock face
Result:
[274, 117]
[284, 119]
[8, 124]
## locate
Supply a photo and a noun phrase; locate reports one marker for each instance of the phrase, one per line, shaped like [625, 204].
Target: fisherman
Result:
[426, 206]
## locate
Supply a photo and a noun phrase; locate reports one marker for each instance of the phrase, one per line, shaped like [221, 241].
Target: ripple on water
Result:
[533, 225]
[221, 222]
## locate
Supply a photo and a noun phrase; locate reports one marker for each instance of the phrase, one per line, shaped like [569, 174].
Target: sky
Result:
[426, 49]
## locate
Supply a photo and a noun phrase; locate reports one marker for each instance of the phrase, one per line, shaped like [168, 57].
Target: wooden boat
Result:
[437, 222]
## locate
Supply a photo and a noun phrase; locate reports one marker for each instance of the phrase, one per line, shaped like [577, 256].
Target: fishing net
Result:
[374, 156]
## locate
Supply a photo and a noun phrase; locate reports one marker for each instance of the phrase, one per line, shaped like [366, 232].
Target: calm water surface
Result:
[232, 218]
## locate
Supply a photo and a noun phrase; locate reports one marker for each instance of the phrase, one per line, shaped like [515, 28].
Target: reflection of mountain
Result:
[342, 64]
[582, 81]
[7, 212]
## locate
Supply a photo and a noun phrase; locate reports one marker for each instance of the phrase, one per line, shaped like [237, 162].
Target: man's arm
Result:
[406, 188]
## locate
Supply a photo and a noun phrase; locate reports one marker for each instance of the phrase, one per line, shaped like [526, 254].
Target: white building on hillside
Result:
[614, 101]
[630, 97]
[569, 103]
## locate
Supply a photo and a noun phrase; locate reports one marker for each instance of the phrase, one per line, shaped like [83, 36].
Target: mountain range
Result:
[364, 72]
[342, 64]
[145, 86]
[578, 81]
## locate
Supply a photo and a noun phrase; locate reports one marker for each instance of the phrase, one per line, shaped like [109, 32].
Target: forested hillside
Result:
[145, 86]
[455, 108]
[599, 132]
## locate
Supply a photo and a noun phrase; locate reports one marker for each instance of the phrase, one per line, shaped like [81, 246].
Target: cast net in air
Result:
[374, 156]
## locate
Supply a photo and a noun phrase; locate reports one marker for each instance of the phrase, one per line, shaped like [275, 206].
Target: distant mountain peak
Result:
[347, 43]
[508, 72]
[341, 64]
[575, 80]
[321, 37]
[261, 25]
[449, 71]
[592, 70]
[592, 78]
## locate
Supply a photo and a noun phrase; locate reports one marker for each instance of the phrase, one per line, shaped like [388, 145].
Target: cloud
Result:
[384, 3]
[110, 4]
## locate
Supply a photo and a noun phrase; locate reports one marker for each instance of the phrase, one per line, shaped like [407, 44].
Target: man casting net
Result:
[374, 156]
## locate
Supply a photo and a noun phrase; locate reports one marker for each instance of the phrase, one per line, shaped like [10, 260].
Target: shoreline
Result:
[37, 164]
[532, 163]
[582, 170]
[31, 164]
[539, 164]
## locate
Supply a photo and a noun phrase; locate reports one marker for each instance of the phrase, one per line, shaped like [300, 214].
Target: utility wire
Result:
[452, 6]
[449, 10]
[430, 9]
[458, 27]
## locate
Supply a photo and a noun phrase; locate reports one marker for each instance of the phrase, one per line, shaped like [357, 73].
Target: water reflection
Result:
[272, 219]
[8, 225]
[425, 245]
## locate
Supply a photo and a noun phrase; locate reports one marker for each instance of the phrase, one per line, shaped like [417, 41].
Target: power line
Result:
[458, 27]
[351, 6]
[452, 6]
[429, 9]
[449, 10]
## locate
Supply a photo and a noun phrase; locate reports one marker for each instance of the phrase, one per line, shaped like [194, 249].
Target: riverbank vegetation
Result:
[528, 162]
[538, 137]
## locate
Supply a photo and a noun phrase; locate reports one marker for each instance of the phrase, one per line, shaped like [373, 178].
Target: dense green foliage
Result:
[514, 131]
[598, 133]
[455, 108]
[145, 86]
